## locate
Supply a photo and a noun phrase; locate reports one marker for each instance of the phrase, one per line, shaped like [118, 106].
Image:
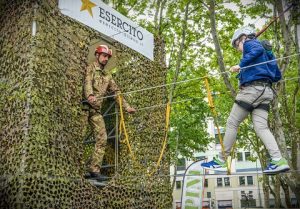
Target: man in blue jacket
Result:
[255, 82]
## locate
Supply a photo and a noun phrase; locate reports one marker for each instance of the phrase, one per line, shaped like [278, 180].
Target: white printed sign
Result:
[101, 17]
[192, 190]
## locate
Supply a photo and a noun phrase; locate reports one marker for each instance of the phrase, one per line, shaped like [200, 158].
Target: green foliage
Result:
[188, 133]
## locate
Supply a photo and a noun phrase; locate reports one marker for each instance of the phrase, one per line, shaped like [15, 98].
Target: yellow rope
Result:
[215, 115]
[168, 110]
[123, 127]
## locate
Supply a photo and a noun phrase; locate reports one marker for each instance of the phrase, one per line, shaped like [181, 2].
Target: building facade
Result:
[241, 189]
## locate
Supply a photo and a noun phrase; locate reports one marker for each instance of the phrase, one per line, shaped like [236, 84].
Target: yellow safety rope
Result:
[168, 110]
[123, 127]
[215, 115]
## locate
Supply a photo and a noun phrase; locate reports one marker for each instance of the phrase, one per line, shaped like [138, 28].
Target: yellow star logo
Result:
[87, 5]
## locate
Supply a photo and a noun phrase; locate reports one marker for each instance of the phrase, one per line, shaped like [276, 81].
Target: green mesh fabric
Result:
[42, 154]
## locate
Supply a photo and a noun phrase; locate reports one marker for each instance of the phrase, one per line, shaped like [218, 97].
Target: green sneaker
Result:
[275, 167]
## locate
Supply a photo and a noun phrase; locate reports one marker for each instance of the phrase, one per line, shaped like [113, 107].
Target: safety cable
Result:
[159, 105]
[197, 78]
[186, 100]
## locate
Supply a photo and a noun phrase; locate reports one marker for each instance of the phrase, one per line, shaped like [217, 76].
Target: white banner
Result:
[192, 190]
[108, 21]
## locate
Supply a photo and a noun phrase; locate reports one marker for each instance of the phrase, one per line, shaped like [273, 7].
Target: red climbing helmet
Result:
[103, 49]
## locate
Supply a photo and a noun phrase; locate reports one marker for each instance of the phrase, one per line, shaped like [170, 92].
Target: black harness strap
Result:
[247, 106]
[250, 107]
[264, 106]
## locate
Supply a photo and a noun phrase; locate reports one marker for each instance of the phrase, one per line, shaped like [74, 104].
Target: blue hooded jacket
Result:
[254, 53]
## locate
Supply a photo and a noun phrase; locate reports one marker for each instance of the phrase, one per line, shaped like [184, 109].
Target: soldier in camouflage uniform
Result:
[97, 84]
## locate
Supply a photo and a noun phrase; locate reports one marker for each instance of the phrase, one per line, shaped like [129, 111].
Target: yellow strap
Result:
[123, 127]
[168, 110]
[215, 115]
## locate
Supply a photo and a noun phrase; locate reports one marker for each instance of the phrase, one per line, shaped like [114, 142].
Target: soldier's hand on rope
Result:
[92, 99]
[235, 68]
[131, 110]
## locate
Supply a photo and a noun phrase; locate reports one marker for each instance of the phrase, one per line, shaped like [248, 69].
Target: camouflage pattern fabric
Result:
[98, 126]
[42, 125]
[99, 84]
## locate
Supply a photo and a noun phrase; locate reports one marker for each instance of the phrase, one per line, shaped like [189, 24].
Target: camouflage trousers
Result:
[100, 135]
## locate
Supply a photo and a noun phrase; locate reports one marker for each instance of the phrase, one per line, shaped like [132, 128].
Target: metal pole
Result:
[259, 195]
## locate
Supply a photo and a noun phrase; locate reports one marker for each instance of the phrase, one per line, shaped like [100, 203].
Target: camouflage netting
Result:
[43, 126]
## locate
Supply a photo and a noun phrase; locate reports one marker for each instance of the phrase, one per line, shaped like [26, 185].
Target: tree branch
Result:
[178, 63]
[218, 48]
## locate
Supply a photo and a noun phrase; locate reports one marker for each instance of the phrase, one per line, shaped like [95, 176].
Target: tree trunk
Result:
[157, 8]
[285, 34]
[286, 191]
[225, 76]
[175, 167]
[161, 17]
[178, 64]
[181, 49]
[276, 192]
[266, 191]
[293, 179]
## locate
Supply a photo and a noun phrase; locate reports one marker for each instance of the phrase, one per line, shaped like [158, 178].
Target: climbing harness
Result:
[250, 106]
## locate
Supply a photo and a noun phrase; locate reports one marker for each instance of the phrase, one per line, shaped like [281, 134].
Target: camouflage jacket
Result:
[99, 84]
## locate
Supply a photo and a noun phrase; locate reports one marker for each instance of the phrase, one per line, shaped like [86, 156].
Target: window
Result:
[248, 203]
[272, 203]
[239, 156]
[217, 140]
[201, 158]
[294, 203]
[208, 194]
[250, 194]
[226, 181]
[247, 156]
[249, 180]
[219, 182]
[224, 204]
[247, 199]
[181, 164]
[178, 184]
[242, 180]
[206, 183]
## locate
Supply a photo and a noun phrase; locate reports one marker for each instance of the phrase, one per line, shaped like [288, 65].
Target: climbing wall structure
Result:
[43, 55]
